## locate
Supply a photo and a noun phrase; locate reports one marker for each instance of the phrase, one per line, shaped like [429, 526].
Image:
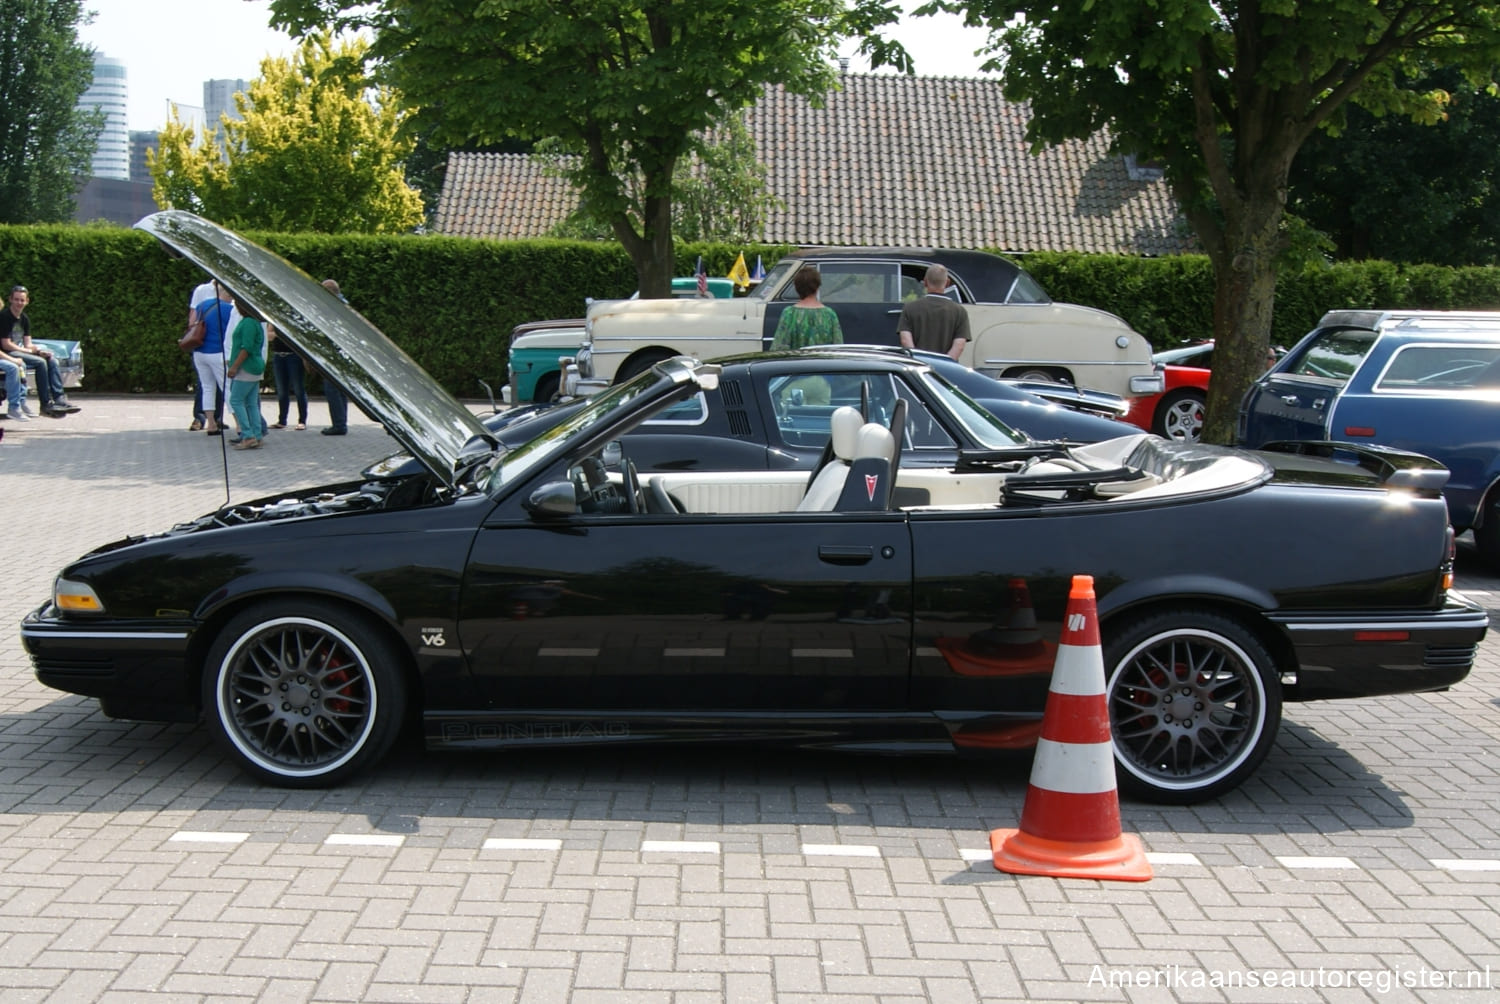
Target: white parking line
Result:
[680, 846]
[1172, 858]
[207, 837]
[1467, 864]
[1315, 862]
[365, 839]
[841, 850]
[522, 844]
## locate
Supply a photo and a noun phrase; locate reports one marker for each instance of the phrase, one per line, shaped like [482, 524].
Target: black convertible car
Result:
[548, 594]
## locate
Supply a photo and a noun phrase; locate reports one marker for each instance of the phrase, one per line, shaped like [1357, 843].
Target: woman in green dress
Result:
[807, 322]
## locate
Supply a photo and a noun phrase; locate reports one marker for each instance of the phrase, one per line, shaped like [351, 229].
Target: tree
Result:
[316, 149]
[46, 141]
[718, 193]
[1224, 94]
[623, 86]
[1389, 188]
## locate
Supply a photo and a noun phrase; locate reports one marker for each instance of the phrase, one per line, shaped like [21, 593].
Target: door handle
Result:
[842, 554]
[1290, 399]
[893, 313]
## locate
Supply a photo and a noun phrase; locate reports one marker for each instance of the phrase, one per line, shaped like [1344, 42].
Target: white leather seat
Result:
[823, 493]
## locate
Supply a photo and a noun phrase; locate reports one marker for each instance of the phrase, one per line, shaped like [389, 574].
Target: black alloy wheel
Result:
[303, 694]
[1194, 705]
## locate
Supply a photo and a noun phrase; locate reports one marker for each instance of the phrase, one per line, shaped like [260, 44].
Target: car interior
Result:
[866, 424]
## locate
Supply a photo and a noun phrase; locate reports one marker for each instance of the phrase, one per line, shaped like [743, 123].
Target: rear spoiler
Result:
[1394, 468]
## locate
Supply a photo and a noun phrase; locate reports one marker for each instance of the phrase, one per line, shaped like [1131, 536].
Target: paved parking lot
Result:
[1362, 863]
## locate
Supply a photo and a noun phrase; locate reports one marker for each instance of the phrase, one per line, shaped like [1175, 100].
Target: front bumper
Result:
[136, 670]
[1358, 654]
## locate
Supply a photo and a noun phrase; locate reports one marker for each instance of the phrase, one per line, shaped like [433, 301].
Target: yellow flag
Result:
[738, 273]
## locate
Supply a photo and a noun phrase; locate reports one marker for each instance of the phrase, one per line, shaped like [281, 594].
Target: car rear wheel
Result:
[303, 694]
[1194, 705]
[1180, 416]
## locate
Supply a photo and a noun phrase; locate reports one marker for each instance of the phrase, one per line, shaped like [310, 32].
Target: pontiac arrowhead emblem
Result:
[871, 481]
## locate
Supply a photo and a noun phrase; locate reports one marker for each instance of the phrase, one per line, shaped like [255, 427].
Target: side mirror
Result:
[552, 500]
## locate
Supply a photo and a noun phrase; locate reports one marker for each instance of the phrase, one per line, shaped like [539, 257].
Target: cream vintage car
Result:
[1016, 329]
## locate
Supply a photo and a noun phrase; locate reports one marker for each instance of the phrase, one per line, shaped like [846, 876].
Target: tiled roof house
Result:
[888, 160]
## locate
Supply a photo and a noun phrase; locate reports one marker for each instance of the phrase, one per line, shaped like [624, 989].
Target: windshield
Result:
[519, 462]
[775, 279]
[985, 428]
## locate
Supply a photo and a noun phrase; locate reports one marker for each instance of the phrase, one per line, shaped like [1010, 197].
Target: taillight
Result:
[1448, 560]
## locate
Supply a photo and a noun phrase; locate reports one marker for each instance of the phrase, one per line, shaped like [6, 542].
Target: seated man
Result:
[15, 341]
[13, 372]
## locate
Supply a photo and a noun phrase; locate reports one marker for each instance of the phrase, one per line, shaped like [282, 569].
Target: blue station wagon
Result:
[1423, 381]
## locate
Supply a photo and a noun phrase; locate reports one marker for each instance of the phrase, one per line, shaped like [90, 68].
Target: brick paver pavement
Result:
[1362, 863]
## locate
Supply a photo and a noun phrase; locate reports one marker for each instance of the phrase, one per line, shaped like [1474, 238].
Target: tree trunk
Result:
[651, 253]
[1244, 295]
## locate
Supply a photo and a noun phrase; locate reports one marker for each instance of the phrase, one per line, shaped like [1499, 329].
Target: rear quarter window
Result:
[1441, 368]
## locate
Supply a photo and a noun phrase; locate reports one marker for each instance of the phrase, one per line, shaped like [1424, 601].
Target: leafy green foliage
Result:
[316, 149]
[1387, 187]
[719, 194]
[1224, 95]
[45, 141]
[452, 302]
[624, 87]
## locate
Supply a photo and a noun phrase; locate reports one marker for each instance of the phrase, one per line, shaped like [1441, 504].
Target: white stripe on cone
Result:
[1074, 768]
[1078, 671]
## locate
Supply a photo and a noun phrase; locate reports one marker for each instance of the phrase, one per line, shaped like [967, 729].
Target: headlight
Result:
[1153, 384]
[76, 597]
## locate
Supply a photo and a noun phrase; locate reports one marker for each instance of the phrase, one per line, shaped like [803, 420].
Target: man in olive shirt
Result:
[934, 323]
[15, 340]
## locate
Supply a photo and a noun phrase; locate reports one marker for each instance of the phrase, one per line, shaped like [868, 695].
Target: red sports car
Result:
[1177, 412]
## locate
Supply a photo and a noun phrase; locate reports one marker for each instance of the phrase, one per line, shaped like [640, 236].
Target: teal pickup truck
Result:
[536, 346]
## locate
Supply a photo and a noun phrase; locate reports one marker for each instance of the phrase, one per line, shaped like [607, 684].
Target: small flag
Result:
[738, 273]
[702, 275]
[760, 271]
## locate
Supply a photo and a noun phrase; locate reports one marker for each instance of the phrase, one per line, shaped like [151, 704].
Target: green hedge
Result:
[451, 302]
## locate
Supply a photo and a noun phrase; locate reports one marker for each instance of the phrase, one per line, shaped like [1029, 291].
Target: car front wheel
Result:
[1194, 705]
[303, 694]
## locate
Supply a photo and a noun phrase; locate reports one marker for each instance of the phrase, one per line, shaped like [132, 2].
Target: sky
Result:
[170, 47]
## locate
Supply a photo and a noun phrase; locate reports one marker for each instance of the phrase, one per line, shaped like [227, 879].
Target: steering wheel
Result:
[632, 487]
[660, 500]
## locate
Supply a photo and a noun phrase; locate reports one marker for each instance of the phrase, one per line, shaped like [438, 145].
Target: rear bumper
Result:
[1358, 654]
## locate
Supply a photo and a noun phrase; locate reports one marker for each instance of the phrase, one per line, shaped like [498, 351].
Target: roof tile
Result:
[888, 160]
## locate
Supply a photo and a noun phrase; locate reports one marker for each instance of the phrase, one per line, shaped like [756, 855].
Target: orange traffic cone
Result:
[1070, 824]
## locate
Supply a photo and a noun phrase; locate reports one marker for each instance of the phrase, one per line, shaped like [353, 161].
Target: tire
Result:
[303, 694]
[1179, 416]
[636, 365]
[1487, 537]
[1224, 670]
[546, 388]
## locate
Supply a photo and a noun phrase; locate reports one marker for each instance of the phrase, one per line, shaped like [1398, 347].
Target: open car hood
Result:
[384, 380]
